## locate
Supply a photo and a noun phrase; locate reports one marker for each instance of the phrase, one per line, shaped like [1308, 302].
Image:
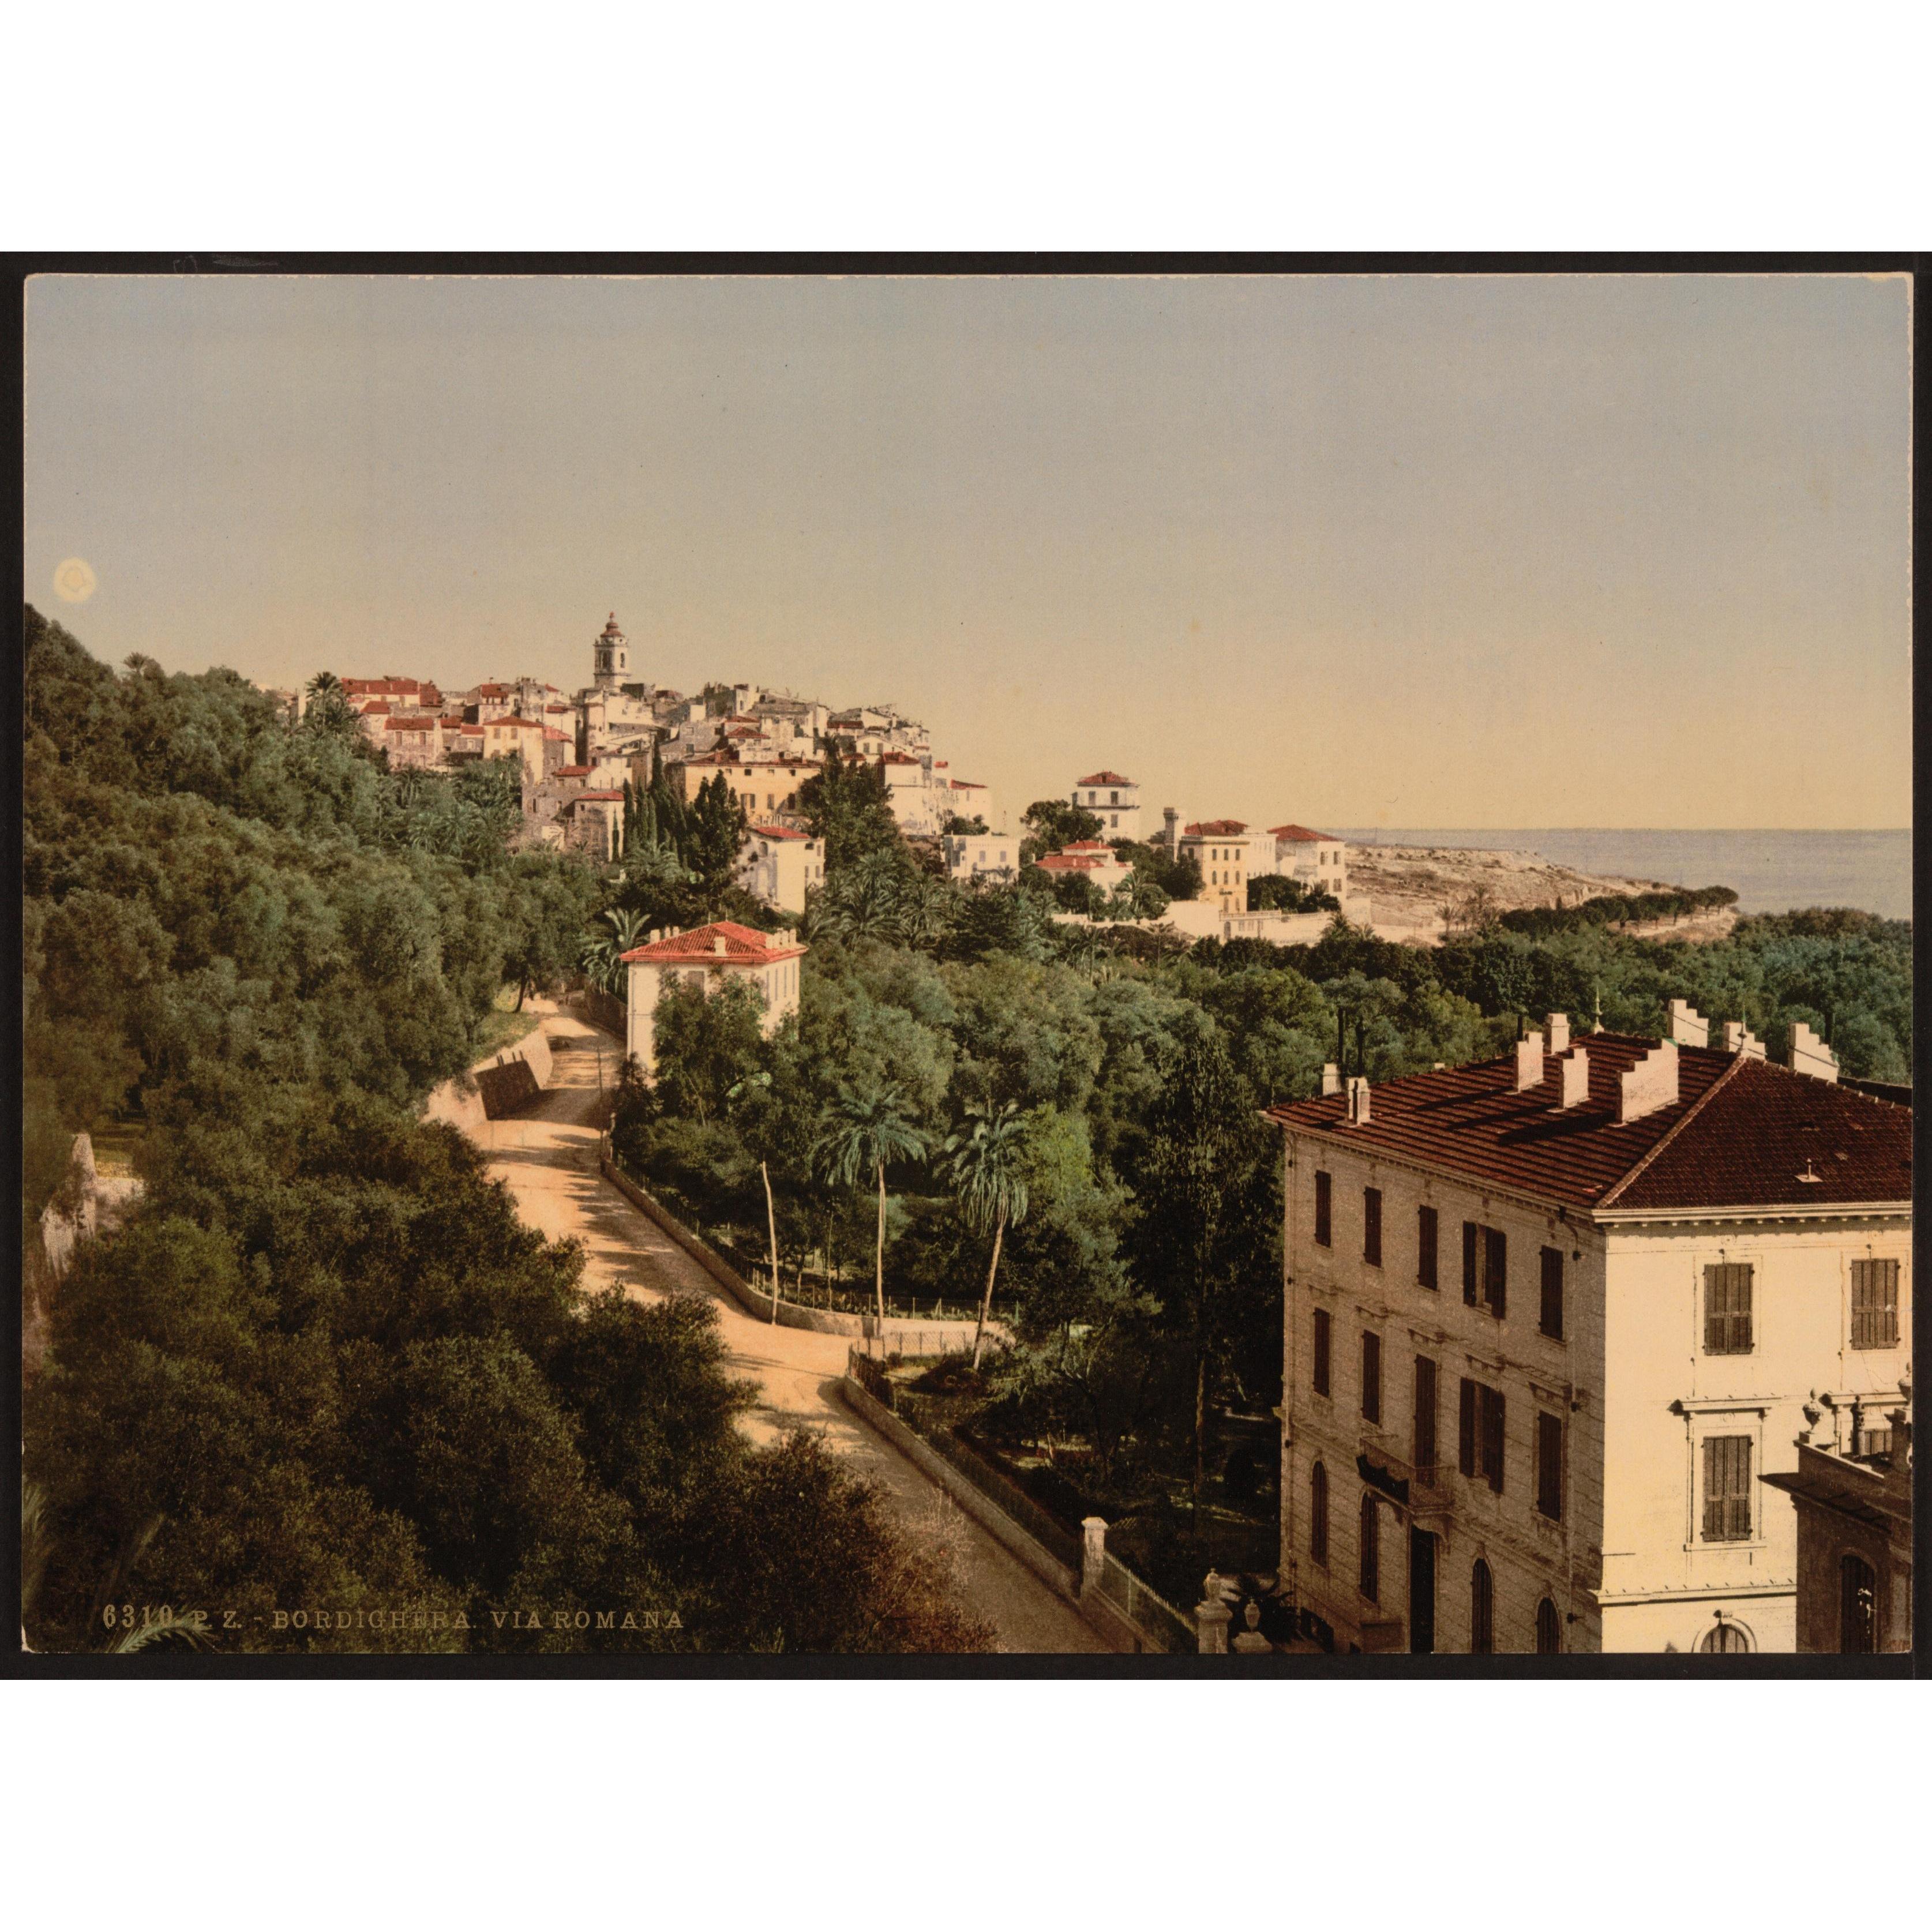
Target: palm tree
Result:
[753, 1083]
[863, 1133]
[989, 1176]
[36, 1541]
[925, 912]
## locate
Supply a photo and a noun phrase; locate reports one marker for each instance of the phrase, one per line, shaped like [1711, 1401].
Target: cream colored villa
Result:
[1550, 1318]
[706, 957]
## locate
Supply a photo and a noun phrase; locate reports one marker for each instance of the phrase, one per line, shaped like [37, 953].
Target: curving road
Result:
[547, 1157]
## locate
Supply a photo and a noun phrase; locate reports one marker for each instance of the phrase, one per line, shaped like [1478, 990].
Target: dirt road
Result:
[547, 1157]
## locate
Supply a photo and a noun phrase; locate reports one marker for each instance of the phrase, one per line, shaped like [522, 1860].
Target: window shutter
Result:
[1469, 1262]
[1550, 1467]
[1372, 1378]
[1551, 1312]
[1495, 1270]
[1465, 1425]
[1424, 1445]
[1714, 1507]
[1425, 1247]
[1322, 1326]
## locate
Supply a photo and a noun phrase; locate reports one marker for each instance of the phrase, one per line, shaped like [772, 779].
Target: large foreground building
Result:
[1549, 1319]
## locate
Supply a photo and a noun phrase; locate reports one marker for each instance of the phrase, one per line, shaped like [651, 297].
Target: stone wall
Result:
[495, 1087]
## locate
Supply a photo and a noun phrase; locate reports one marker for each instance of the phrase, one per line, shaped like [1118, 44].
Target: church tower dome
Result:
[610, 657]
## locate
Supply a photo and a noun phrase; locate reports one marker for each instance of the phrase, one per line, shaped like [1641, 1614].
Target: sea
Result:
[1770, 871]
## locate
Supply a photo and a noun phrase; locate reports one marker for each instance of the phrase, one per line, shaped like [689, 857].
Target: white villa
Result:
[780, 865]
[707, 957]
[1113, 800]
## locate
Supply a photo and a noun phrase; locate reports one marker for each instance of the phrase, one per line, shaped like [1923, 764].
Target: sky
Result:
[1491, 551]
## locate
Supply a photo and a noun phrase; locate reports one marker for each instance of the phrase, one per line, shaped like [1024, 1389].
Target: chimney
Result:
[1358, 1101]
[1574, 1072]
[1559, 1032]
[1688, 1027]
[1810, 1054]
[1651, 1084]
[1528, 1062]
[1739, 1038]
[1331, 1080]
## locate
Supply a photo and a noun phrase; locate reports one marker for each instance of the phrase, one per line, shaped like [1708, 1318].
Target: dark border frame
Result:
[15, 269]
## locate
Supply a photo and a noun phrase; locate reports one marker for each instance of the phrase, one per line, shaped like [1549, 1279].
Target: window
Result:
[1548, 1629]
[1465, 1427]
[1372, 1378]
[1323, 1325]
[1495, 1270]
[1372, 1226]
[1858, 1607]
[1727, 1308]
[1725, 1638]
[1425, 1248]
[1874, 1304]
[1549, 1466]
[1324, 1230]
[1424, 1438]
[1372, 1551]
[1318, 1514]
[1470, 1244]
[1727, 1501]
[1551, 1319]
[1482, 1610]
[1489, 1436]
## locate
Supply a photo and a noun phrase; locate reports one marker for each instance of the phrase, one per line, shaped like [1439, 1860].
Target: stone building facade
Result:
[1547, 1320]
[707, 957]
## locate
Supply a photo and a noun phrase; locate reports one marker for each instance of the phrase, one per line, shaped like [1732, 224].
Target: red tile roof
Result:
[777, 831]
[743, 947]
[412, 723]
[1215, 828]
[571, 771]
[1103, 778]
[961, 784]
[578, 798]
[1740, 1134]
[1071, 862]
[1302, 835]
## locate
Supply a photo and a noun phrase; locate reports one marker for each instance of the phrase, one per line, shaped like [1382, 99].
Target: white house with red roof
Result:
[779, 865]
[1549, 1318]
[706, 958]
[1113, 800]
[994, 856]
[1086, 858]
[1317, 859]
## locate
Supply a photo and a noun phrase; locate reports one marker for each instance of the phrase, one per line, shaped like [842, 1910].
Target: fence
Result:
[1152, 1615]
[916, 1411]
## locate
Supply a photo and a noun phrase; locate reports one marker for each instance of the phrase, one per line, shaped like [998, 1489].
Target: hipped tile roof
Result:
[1742, 1133]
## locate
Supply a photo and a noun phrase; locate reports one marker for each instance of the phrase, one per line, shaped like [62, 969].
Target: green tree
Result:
[1053, 823]
[706, 1042]
[863, 1133]
[989, 1181]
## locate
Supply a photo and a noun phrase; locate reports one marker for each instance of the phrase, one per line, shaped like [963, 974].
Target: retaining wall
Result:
[495, 1087]
[904, 1338]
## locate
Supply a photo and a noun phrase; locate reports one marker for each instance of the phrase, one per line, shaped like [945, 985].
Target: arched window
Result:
[1858, 1607]
[1482, 1610]
[1725, 1638]
[1318, 1514]
[1372, 1551]
[1548, 1629]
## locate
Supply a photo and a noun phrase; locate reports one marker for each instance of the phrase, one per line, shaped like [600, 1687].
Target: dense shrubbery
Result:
[1617, 909]
[323, 1366]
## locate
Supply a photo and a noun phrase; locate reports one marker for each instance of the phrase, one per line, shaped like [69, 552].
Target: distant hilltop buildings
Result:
[578, 751]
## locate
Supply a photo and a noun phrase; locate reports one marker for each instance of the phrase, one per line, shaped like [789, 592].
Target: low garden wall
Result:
[900, 1338]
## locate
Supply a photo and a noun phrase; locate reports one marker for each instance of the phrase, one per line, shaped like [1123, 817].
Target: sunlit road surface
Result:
[546, 1155]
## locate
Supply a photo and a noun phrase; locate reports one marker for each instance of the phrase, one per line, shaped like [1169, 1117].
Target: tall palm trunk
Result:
[986, 1299]
[772, 1222]
[1200, 1427]
[880, 1276]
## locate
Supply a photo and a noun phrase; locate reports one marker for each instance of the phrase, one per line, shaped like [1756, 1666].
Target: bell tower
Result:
[611, 657]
